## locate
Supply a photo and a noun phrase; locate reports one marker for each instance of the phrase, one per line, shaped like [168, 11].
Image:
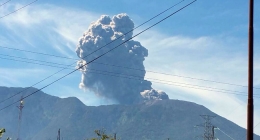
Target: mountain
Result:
[44, 114]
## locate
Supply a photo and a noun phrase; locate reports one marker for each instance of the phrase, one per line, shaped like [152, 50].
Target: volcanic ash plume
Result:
[124, 85]
[154, 95]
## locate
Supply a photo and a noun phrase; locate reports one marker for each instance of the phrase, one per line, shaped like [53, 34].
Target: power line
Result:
[156, 80]
[31, 86]
[206, 80]
[18, 9]
[102, 54]
[175, 75]
[219, 91]
[254, 127]
[52, 55]
[139, 80]
[134, 77]
[97, 49]
[257, 125]
[5, 3]
[225, 133]
[189, 84]
[104, 45]
[33, 60]
[129, 68]
[34, 63]
[70, 65]
[233, 110]
[209, 128]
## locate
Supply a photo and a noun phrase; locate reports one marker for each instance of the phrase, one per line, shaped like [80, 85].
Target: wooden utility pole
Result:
[250, 105]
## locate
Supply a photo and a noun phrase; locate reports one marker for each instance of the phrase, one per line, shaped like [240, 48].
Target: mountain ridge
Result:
[44, 114]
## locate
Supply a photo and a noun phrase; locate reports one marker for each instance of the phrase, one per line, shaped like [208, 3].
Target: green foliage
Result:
[101, 135]
[2, 131]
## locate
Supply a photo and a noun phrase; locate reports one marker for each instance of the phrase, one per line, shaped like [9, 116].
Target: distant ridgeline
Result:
[44, 115]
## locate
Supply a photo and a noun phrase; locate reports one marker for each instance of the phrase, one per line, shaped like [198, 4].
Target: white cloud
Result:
[62, 26]
[215, 58]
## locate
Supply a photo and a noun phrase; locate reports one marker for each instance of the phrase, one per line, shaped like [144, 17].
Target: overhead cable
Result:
[4, 3]
[175, 75]
[95, 50]
[18, 9]
[139, 77]
[101, 54]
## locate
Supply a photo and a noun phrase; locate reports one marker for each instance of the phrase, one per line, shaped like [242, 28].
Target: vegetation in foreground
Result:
[101, 135]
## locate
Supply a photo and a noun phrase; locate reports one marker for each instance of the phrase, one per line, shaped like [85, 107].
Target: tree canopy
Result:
[101, 135]
[2, 131]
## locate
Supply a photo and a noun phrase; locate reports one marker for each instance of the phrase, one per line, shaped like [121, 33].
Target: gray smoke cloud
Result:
[154, 95]
[131, 54]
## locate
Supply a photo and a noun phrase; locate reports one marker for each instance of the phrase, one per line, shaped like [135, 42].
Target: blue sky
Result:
[207, 40]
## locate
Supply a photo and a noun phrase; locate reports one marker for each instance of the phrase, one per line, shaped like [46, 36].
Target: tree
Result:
[102, 135]
[2, 131]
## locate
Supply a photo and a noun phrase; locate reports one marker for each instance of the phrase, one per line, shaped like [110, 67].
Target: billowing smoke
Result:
[126, 86]
[154, 95]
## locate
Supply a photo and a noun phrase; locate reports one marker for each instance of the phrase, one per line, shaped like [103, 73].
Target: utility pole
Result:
[208, 127]
[250, 105]
[58, 137]
[20, 107]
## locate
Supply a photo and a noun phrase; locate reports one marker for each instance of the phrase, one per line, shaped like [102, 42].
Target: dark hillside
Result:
[44, 114]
